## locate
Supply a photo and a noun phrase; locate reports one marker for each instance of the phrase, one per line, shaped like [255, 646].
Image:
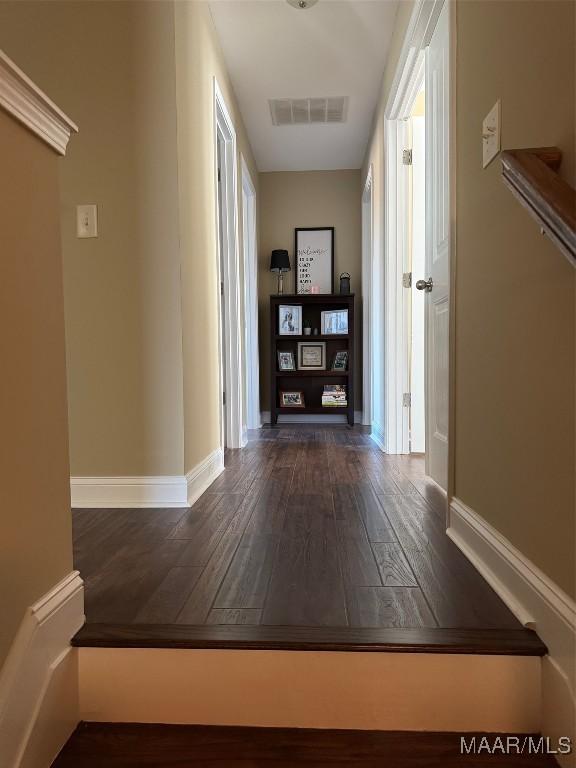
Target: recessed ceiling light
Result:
[302, 4]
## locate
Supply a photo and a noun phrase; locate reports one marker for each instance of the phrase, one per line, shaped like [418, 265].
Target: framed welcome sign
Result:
[314, 249]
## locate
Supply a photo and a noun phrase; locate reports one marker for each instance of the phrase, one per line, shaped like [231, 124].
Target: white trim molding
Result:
[231, 341]
[39, 680]
[126, 492]
[147, 492]
[203, 475]
[30, 106]
[531, 595]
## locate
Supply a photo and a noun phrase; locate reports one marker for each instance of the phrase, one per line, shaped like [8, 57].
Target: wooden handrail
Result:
[532, 176]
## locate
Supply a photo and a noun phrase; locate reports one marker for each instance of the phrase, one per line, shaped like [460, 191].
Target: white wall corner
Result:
[30, 106]
[203, 475]
[39, 679]
[536, 601]
[128, 492]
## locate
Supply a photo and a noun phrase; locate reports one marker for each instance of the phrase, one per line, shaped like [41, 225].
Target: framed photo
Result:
[334, 321]
[286, 361]
[314, 250]
[340, 362]
[311, 355]
[290, 320]
[293, 399]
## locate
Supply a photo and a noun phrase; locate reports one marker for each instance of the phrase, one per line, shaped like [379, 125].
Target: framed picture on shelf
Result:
[290, 320]
[340, 362]
[294, 399]
[334, 321]
[286, 361]
[314, 249]
[311, 355]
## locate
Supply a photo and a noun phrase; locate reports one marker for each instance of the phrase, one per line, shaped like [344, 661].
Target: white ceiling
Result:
[335, 48]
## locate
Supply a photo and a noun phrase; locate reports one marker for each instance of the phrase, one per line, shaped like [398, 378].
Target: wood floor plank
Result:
[211, 526]
[234, 616]
[394, 568]
[139, 578]
[306, 586]
[198, 605]
[130, 745]
[166, 601]
[246, 581]
[359, 567]
[377, 524]
[307, 515]
[388, 607]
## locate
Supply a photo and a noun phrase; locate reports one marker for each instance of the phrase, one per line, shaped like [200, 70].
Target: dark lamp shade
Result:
[279, 261]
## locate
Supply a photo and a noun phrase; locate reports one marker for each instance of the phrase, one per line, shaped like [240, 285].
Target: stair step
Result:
[517, 642]
[124, 745]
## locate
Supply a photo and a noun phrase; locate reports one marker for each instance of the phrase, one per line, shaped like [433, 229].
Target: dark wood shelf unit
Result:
[311, 382]
[319, 337]
[312, 374]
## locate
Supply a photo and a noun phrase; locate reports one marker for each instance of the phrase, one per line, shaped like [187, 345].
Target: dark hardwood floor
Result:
[119, 745]
[306, 528]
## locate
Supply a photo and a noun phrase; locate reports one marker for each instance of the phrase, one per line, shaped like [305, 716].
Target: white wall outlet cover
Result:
[491, 135]
[86, 221]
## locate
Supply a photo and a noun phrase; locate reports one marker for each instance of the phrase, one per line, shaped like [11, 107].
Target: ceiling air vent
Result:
[308, 111]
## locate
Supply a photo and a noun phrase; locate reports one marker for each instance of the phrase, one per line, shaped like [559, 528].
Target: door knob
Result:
[425, 285]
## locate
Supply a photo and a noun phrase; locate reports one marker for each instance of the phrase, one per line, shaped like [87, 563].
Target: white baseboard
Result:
[310, 418]
[203, 475]
[533, 598]
[146, 492]
[137, 492]
[39, 681]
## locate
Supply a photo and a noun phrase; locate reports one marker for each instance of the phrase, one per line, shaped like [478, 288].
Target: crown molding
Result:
[29, 105]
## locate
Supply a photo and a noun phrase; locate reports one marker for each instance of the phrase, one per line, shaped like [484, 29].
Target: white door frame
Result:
[407, 80]
[367, 295]
[249, 247]
[229, 276]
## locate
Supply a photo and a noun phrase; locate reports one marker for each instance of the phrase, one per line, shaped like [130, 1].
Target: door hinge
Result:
[407, 399]
[407, 280]
[223, 398]
[407, 157]
[219, 175]
[221, 288]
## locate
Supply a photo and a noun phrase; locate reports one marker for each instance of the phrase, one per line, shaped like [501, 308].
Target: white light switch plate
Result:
[86, 221]
[491, 135]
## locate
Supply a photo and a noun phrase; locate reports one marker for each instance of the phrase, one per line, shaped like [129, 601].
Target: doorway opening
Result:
[251, 356]
[417, 246]
[230, 341]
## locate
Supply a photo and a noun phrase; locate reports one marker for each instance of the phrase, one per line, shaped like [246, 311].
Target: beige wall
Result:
[198, 61]
[35, 523]
[142, 298]
[110, 65]
[290, 199]
[515, 342]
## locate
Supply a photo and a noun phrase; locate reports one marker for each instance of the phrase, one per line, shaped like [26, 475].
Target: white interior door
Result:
[437, 248]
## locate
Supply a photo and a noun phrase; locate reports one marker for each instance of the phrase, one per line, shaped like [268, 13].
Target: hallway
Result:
[307, 527]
